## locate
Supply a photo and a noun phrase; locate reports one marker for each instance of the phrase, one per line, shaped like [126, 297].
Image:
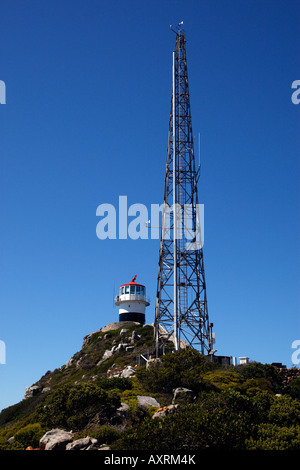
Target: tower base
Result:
[132, 316]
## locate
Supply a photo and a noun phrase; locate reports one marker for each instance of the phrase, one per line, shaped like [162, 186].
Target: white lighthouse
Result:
[132, 302]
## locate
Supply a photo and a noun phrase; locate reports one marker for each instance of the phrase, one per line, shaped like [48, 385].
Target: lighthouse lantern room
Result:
[132, 302]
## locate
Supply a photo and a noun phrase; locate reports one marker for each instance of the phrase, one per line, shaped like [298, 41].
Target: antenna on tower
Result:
[179, 29]
[199, 150]
[114, 295]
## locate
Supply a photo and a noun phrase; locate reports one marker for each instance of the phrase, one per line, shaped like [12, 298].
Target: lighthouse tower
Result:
[132, 302]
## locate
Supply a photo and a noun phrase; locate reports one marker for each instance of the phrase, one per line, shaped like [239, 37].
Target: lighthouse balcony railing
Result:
[126, 297]
[132, 297]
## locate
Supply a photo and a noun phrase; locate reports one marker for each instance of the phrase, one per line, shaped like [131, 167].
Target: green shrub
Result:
[104, 434]
[30, 435]
[253, 386]
[114, 382]
[293, 388]
[130, 398]
[284, 411]
[223, 379]
[256, 370]
[189, 428]
[5, 445]
[273, 437]
[179, 369]
[262, 402]
[73, 406]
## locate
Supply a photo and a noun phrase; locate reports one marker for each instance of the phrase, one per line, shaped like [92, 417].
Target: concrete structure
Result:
[244, 360]
[132, 302]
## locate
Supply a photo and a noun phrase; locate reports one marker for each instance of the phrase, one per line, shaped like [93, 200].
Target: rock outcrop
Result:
[59, 439]
[162, 412]
[56, 439]
[85, 443]
[31, 391]
[146, 401]
[183, 395]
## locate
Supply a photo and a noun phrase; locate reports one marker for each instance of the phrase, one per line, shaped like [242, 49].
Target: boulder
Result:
[86, 341]
[134, 337]
[117, 325]
[107, 354]
[70, 361]
[31, 391]
[122, 411]
[146, 401]
[104, 447]
[128, 372]
[122, 347]
[123, 408]
[183, 395]
[81, 444]
[56, 439]
[124, 331]
[148, 326]
[162, 412]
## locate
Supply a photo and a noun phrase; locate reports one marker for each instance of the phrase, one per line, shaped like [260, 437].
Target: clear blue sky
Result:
[88, 89]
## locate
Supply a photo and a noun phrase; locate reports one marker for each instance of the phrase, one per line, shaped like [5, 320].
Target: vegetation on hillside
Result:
[239, 408]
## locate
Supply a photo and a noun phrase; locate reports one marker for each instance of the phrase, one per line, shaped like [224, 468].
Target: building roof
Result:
[132, 283]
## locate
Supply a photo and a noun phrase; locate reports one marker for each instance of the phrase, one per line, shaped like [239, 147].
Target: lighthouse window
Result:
[142, 290]
[138, 289]
[132, 289]
[126, 289]
[122, 290]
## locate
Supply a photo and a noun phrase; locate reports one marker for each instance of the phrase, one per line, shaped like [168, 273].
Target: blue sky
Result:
[88, 90]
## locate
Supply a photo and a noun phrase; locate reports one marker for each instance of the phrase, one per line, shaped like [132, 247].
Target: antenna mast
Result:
[181, 314]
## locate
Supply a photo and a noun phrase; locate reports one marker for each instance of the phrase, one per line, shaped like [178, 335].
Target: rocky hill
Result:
[112, 395]
[106, 360]
[110, 352]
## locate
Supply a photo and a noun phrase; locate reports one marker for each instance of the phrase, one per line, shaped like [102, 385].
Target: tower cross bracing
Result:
[181, 313]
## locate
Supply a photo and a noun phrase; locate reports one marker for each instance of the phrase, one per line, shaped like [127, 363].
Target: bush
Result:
[73, 406]
[104, 434]
[223, 420]
[223, 379]
[253, 386]
[6, 434]
[30, 435]
[262, 402]
[284, 411]
[5, 445]
[189, 428]
[273, 437]
[114, 382]
[293, 388]
[256, 370]
[179, 369]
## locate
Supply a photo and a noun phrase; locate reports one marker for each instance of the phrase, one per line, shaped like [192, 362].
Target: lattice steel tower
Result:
[181, 305]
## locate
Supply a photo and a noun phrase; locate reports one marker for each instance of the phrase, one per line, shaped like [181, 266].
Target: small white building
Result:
[132, 302]
[244, 360]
